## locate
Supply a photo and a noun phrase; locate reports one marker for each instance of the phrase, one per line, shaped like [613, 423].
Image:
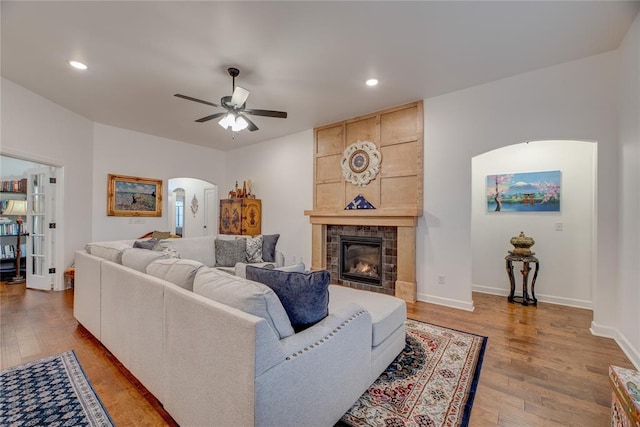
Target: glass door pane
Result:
[39, 242]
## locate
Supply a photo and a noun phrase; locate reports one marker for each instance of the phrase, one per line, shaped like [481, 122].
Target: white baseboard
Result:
[571, 302]
[489, 290]
[447, 302]
[604, 331]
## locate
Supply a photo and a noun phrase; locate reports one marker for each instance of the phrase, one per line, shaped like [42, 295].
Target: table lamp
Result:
[19, 208]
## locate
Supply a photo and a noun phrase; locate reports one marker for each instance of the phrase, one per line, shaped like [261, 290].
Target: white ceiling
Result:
[307, 58]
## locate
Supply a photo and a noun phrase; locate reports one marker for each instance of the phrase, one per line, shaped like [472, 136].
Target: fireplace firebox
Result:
[361, 259]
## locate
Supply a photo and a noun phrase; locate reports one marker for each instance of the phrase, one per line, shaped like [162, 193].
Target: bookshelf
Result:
[11, 190]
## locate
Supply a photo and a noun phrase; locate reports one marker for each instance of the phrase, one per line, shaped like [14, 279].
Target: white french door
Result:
[41, 225]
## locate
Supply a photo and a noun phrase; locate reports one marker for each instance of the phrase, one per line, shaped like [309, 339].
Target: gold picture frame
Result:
[133, 196]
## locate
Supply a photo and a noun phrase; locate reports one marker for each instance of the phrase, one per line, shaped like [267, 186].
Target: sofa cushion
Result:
[305, 296]
[138, 258]
[254, 249]
[387, 312]
[201, 249]
[180, 272]
[146, 244]
[111, 251]
[269, 242]
[250, 297]
[230, 252]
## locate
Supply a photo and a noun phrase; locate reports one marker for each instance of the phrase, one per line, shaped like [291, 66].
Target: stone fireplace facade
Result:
[389, 236]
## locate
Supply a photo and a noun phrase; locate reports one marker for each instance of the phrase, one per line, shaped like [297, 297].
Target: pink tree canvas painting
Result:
[524, 192]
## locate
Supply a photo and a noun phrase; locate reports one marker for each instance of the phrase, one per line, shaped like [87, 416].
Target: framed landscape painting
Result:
[524, 192]
[133, 196]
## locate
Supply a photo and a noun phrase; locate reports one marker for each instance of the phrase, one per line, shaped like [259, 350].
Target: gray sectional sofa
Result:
[218, 349]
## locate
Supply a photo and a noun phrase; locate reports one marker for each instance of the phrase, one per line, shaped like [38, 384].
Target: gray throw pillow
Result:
[269, 247]
[304, 296]
[146, 244]
[230, 252]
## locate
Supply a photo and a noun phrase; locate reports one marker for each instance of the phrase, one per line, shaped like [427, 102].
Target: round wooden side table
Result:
[526, 260]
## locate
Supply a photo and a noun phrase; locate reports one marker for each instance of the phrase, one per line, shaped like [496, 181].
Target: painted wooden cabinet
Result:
[241, 216]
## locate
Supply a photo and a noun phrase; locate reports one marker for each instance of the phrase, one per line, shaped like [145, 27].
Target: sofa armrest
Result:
[326, 369]
[328, 327]
[86, 294]
[279, 259]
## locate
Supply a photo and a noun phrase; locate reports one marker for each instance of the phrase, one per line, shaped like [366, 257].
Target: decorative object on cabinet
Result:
[133, 196]
[194, 205]
[524, 192]
[241, 216]
[242, 193]
[360, 162]
[18, 208]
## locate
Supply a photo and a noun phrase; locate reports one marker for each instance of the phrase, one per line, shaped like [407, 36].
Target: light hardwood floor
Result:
[542, 367]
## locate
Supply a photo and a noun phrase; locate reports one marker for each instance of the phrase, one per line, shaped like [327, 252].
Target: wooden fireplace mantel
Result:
[396, 217]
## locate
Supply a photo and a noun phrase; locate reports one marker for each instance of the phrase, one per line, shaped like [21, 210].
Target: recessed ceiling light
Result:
[372, 82]
[78, 65]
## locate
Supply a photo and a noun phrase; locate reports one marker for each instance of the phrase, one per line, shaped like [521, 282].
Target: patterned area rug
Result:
[50, 392]
[431, 383]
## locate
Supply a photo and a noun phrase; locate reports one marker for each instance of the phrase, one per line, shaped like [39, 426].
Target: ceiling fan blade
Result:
[211, 117]
[239, 96]
[267, 113]
[196, 100]
[252, 126]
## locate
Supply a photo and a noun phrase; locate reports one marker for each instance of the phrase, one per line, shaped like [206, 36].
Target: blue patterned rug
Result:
[53, 391]
[432, 383]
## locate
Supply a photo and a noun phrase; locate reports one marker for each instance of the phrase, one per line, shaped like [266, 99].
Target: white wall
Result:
[282, 174]
[12, 168]
[124, 152]
[628, 320]
[36, 129]
[565, 256]
[575, 100]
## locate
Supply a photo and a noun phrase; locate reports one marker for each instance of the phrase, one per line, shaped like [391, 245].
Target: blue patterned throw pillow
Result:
[304, 296]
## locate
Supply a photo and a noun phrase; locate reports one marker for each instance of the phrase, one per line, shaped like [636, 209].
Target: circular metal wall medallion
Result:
[361, 163]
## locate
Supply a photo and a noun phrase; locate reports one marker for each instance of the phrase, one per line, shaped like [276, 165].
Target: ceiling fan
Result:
[235, 116]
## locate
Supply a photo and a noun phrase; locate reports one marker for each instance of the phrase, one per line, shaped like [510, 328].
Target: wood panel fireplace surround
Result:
[373, 161]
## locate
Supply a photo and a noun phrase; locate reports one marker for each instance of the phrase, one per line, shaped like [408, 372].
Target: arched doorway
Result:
[197, 213]
[565, 240]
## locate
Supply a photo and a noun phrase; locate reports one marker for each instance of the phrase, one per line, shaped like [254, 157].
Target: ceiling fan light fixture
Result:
[240, 124]
[372, 82]
[228, 120]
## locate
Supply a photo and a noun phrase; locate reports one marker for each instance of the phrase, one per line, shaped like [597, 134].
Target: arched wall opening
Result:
[200, 206]
[564, 240]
